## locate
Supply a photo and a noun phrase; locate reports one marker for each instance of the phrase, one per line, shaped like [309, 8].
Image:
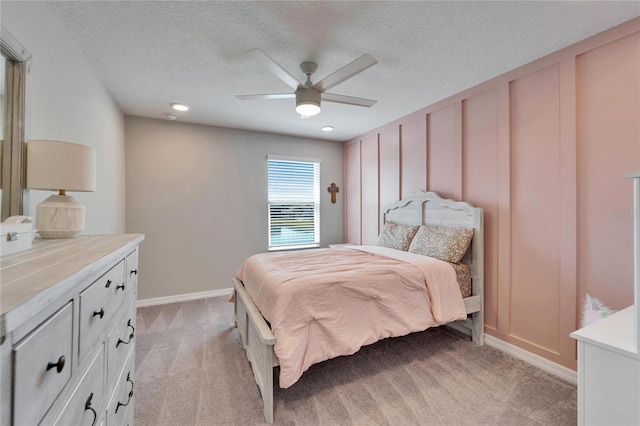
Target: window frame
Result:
[316, 243]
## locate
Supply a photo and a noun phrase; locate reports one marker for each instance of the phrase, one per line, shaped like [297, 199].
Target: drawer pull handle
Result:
[87, 406]
[58, 365]
[120, 404]
[133, 329]
[99, 313]
[108, 284]
[120, 287]
[133, 272]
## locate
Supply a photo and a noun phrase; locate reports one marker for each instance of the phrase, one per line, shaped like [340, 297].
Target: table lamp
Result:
[60, 166]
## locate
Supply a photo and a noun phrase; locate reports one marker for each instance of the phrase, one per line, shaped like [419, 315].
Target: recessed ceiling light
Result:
[180, 107]
[171, 116]
[327, 128]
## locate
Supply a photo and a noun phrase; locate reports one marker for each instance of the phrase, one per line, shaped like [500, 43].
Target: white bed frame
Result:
[418, 208]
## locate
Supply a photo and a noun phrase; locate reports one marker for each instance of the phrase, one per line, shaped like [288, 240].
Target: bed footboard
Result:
[258, 341]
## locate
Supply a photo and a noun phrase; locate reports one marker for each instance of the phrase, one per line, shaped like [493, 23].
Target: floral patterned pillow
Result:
[448, 244]
[463, 275]
[396, 236]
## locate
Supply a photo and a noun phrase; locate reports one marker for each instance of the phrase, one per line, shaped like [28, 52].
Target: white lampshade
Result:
[55, 166]
[60, 166]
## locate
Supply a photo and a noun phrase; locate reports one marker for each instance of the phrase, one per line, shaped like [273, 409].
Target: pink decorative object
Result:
[593, 311]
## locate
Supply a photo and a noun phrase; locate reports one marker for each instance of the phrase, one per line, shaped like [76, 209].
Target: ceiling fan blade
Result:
[349, 100]
[274, 67]
[267, 96]
[362, 63]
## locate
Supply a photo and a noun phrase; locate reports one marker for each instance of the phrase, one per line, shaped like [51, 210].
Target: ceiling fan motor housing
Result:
[308, 96]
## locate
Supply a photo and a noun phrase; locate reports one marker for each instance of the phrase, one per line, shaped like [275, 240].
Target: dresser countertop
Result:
[614, 333]
[31, 278]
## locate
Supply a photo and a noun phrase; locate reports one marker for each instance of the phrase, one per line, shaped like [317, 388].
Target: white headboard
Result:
[428, 208]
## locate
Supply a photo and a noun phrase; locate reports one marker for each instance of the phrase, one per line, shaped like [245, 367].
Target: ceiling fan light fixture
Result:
[307, 101]
[307, 108]
[179, 107]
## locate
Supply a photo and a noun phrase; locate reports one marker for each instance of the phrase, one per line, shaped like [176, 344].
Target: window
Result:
[294, 202]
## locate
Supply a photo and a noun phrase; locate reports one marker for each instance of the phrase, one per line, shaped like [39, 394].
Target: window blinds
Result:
[294, 203]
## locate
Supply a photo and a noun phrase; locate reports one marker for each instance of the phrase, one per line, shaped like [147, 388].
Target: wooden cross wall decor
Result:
[333, 189]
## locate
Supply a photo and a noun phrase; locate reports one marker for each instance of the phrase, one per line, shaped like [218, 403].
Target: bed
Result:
[463, 313]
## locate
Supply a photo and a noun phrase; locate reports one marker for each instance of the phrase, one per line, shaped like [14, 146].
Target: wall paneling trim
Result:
[543, 149]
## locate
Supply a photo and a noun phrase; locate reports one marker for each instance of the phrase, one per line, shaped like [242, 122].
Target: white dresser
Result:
[67, 332]
[609, 353]
[608, 371]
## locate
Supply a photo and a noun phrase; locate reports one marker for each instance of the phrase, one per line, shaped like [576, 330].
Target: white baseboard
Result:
[183, 297]
[542, 363]
[533, 359]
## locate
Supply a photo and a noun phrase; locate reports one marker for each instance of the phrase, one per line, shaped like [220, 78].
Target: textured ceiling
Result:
[152, 53]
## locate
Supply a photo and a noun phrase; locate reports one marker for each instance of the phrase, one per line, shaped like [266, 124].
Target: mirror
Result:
[14, 72]
[5, 144]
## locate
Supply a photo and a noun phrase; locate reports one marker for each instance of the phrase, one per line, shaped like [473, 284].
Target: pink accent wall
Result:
[608, 131]
[480, 181]
[413, 154]
[389, 167]
[353, 202]
[370, 215]
[543, 149]
[440, 151]
[535, 212]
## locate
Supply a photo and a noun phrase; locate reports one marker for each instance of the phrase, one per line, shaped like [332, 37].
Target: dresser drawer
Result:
[120, 292]
[97, 308]
[120, 408]
[85, 405]
[120, 341]
[42, 362]
[132, 268]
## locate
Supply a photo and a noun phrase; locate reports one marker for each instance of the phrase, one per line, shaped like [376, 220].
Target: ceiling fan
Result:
[308, 95]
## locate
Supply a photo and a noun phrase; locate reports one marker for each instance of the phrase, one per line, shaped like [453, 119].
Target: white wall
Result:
[68, 102]
[199, 194]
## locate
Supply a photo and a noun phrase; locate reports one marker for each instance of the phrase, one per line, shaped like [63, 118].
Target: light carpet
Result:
[191, 370]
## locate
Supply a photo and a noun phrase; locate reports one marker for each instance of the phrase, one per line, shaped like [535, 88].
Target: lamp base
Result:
[60, 216]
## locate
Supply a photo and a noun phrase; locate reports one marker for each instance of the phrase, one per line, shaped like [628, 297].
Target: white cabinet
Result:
[608, 371]
[609, 354]
[67, 331]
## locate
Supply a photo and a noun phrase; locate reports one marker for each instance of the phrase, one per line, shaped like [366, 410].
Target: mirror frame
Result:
[16, 201]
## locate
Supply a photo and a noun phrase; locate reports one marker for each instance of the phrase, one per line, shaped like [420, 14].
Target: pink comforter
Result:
[325, 303]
